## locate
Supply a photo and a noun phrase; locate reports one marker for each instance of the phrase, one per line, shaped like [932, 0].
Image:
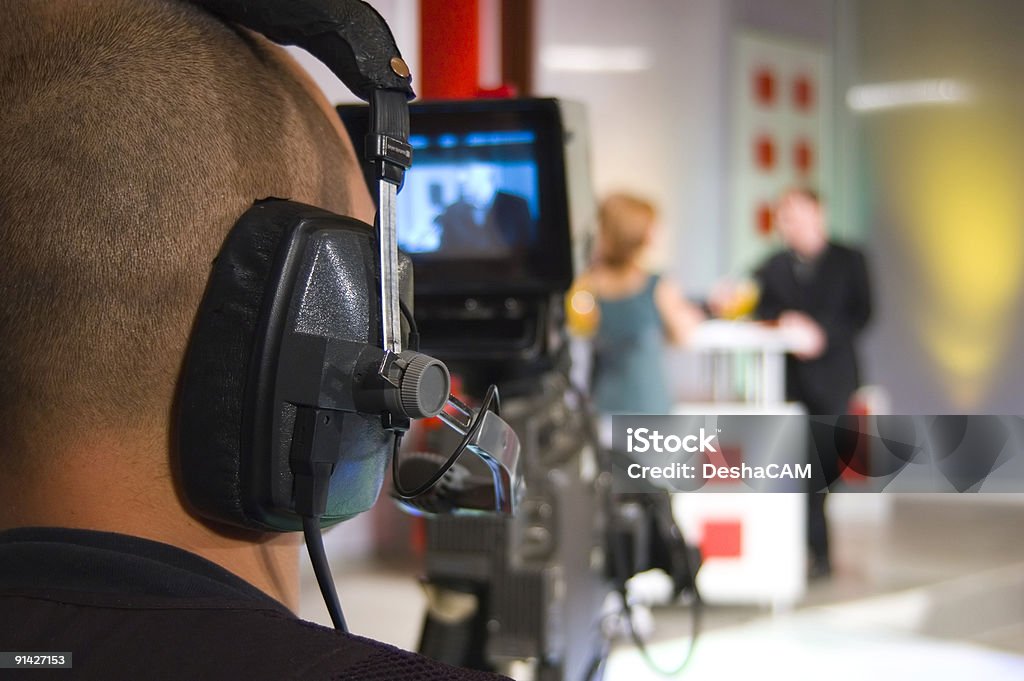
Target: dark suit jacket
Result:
[835, 292]
[507, 226]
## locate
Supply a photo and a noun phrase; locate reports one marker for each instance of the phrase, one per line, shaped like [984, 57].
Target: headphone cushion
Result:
[216, 367]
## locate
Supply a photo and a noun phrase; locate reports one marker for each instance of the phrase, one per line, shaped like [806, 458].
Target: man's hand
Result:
[812, 337]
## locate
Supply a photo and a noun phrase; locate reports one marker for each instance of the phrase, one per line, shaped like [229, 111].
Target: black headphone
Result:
[296, 388]
[286, 371]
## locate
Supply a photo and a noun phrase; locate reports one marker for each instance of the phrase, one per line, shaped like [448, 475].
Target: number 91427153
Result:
[26, 660]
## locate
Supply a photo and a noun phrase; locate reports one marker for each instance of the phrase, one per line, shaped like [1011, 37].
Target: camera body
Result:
[538, 580]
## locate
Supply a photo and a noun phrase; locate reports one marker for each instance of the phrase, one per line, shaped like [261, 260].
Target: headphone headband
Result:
[348, 36]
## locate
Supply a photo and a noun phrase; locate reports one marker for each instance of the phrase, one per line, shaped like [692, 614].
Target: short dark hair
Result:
[133, 136]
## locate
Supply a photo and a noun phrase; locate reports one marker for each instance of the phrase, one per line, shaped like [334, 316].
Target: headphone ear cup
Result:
[211, 402]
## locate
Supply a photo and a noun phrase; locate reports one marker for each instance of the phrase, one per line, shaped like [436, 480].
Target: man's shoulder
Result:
[342, 657]
[205, 640]
[455, 213]
[845, 251]
[305, 650]
[510, 201]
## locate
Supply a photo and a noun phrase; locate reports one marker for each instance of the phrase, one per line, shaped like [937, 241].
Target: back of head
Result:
[133, 135]
[625, 223]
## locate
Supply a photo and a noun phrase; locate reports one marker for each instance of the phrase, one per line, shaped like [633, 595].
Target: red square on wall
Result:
[764, 87]
[722, 538]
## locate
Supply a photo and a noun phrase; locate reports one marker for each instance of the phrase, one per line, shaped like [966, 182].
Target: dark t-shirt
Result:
[129, 608]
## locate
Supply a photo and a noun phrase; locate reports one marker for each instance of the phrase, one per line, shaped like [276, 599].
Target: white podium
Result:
[756, 542]
[746, 360]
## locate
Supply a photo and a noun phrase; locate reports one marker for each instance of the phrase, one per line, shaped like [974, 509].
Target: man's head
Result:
[133, 135]
[801, 222]
[479, 184]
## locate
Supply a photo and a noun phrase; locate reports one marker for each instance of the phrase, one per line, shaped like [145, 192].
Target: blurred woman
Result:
[634, 311]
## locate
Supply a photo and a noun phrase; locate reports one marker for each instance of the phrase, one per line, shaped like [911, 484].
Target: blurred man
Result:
[134, 134]
[485, 221]
[822, 289]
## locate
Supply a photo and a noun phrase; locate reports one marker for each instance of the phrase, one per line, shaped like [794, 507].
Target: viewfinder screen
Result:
[470, 195]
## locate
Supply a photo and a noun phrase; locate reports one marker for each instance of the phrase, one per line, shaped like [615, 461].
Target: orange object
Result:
[582, 312]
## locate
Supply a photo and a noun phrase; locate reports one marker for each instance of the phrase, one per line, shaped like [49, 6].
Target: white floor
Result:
[800, 647]
[933, 590]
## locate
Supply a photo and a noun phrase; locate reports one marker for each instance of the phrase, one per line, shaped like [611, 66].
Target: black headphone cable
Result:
[316, 448]
[322, 569]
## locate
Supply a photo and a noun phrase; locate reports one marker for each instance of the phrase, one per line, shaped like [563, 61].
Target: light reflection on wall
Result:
[946, 190]
[959, 179]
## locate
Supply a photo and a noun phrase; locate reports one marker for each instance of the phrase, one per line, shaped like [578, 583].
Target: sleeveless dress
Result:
[628, 375]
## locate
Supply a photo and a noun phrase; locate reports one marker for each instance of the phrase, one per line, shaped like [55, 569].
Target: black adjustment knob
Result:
[424, 386]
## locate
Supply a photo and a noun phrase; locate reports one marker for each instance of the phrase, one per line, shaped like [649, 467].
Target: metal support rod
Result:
[391, 329]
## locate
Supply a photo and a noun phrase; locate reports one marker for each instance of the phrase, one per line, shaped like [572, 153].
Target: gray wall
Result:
[664, 131]
[657, 131]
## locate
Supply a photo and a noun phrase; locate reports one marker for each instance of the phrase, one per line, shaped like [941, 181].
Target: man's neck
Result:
[103, 491]
[812, 254]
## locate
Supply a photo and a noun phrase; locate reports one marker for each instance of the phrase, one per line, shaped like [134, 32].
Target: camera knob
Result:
[424, 386]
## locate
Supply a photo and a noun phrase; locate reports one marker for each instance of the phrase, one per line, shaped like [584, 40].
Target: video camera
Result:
[494, 214]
